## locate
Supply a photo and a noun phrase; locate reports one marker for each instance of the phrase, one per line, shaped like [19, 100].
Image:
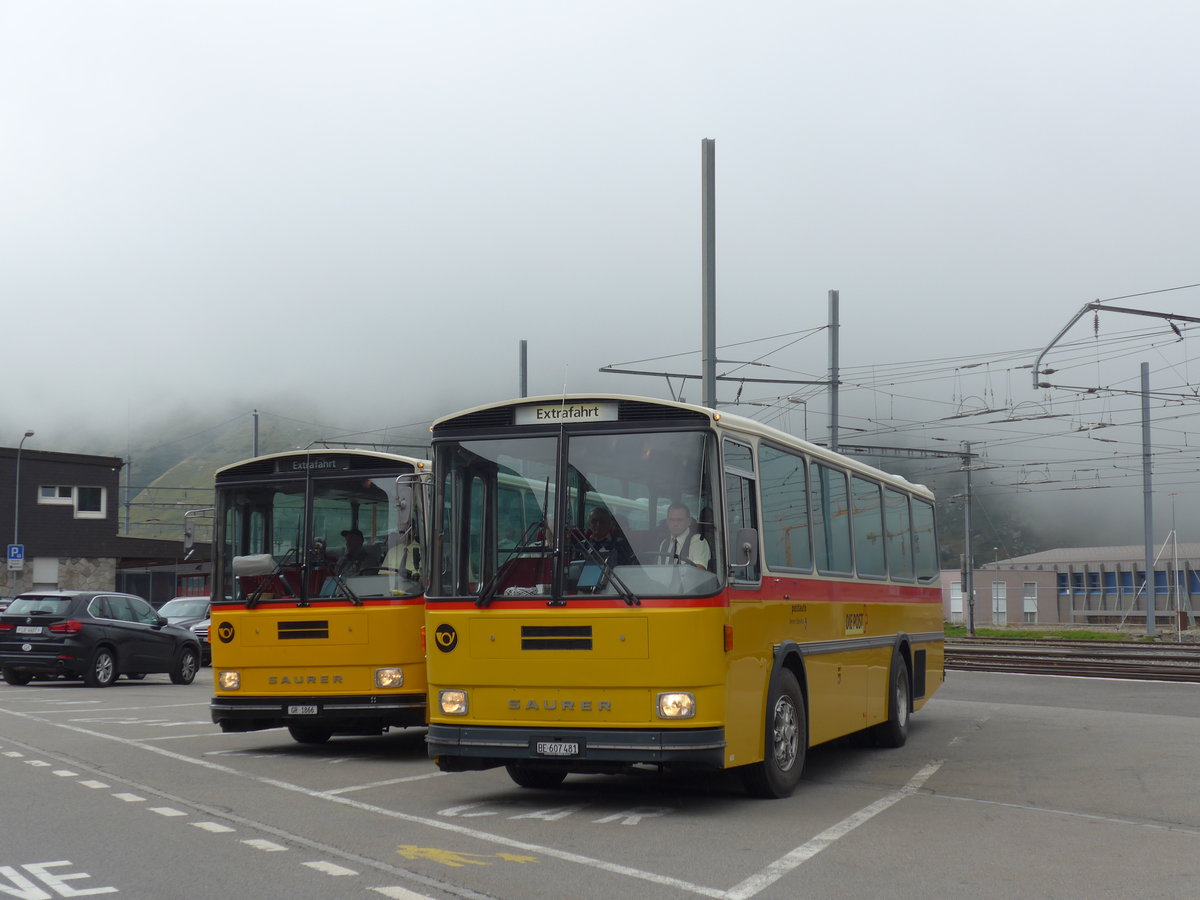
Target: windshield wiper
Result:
[608, 570]
[488, 590]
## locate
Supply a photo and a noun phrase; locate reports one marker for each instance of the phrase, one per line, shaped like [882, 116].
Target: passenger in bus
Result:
[355, 558]
[684, 545]
[403, 557]
[606, 538]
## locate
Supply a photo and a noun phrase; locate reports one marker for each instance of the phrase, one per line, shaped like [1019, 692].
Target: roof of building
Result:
[1134, 554]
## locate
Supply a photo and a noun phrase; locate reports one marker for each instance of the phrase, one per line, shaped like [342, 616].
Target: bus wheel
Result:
[309, 734]
[529, 775]
[786, 741]
[894, 732]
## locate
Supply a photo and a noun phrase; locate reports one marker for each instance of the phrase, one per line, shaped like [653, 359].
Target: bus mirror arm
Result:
[746, 544]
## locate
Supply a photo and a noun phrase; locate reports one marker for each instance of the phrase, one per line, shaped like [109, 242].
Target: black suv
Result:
[96, 635]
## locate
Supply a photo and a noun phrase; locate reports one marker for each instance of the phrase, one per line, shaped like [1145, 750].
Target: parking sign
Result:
[16, 557]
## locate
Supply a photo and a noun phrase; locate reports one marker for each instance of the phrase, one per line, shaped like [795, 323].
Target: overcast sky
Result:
[370, 204]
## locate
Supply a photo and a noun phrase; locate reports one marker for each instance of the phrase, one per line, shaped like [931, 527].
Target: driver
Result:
[355, 558]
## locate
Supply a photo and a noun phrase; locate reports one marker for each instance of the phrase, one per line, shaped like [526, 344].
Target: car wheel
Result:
[186, 666]
[102, 670]
[309, 734]
[785, 743]
[12, 676]
[531, 775]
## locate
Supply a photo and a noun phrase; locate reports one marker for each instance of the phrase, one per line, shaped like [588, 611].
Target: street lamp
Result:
[17, 489]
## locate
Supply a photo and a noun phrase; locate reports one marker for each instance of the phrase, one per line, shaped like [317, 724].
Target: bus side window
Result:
[741, 513]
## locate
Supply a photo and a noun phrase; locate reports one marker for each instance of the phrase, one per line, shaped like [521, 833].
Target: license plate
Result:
[557, 748]
[29, 629]
[302, 710]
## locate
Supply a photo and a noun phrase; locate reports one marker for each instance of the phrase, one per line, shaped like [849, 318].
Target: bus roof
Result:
[727, 421]
[380, 455]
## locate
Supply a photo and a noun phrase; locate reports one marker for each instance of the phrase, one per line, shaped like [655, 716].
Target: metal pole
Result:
[1147, 499]
[17, 490]
[523, 374]
[128, 467]
[969, 567]
[255, 448]
[708, 261]
[834, 320]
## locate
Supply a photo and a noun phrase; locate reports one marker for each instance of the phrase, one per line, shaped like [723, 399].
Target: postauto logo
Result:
[445, 637]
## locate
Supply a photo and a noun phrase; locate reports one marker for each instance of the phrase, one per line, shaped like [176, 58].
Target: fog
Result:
[352, 215]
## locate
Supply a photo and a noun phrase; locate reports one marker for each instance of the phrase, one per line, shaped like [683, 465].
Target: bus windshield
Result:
[623, 515]
[318, 538]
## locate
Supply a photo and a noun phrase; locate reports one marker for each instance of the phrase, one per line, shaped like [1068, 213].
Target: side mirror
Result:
[404, 502]
[257, 564]
[745, 548]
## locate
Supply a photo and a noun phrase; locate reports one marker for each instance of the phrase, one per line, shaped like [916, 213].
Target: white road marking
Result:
[399, 893]
[330, 868]
[213, 827]
[743, 891]
[168, 811]
[264, 845]
[806, 851]
[375, 784]
[129, 798]
[94, 785]
[37, 762]
[65, 773]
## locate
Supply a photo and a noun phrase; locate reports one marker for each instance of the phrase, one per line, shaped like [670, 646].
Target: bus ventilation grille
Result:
[556, 637]
[303, 631]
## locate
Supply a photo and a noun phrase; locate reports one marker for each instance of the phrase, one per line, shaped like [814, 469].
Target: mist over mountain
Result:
[171, 462]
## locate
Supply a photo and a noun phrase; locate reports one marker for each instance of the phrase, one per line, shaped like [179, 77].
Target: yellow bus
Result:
[619, 581]
[318, 601]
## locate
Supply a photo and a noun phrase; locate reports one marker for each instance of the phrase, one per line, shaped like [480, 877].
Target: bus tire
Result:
[785, 742]
[894, 731]
[309, 734]
[531, 775]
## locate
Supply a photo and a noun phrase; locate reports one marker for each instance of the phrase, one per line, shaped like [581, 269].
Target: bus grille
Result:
[556, 637]
[303, 631]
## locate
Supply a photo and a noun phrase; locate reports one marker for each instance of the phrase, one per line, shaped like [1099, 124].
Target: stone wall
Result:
[75, 573]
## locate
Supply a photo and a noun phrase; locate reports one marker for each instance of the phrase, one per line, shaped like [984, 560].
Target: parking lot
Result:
[1007, 786]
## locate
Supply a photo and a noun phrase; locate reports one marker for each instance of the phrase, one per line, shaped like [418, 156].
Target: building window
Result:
[56, 494]
[1029, 600]
[999, 603]
[956, 598]
[87, 502]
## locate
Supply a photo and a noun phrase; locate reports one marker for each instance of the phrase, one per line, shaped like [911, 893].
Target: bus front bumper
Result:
[468, 748]
[342, 715]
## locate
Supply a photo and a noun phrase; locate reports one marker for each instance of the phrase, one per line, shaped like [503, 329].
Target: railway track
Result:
[1092, 659]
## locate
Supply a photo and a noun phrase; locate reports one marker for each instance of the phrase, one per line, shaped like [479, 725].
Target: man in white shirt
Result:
[684, 545]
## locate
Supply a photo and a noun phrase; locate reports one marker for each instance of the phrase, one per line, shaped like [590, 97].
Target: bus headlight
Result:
[229, 681]
[676, 705]
[392, 677]
[452, 703]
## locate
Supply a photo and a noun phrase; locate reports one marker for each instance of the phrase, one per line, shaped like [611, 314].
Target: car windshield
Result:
[39, 606]
[184, 608]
